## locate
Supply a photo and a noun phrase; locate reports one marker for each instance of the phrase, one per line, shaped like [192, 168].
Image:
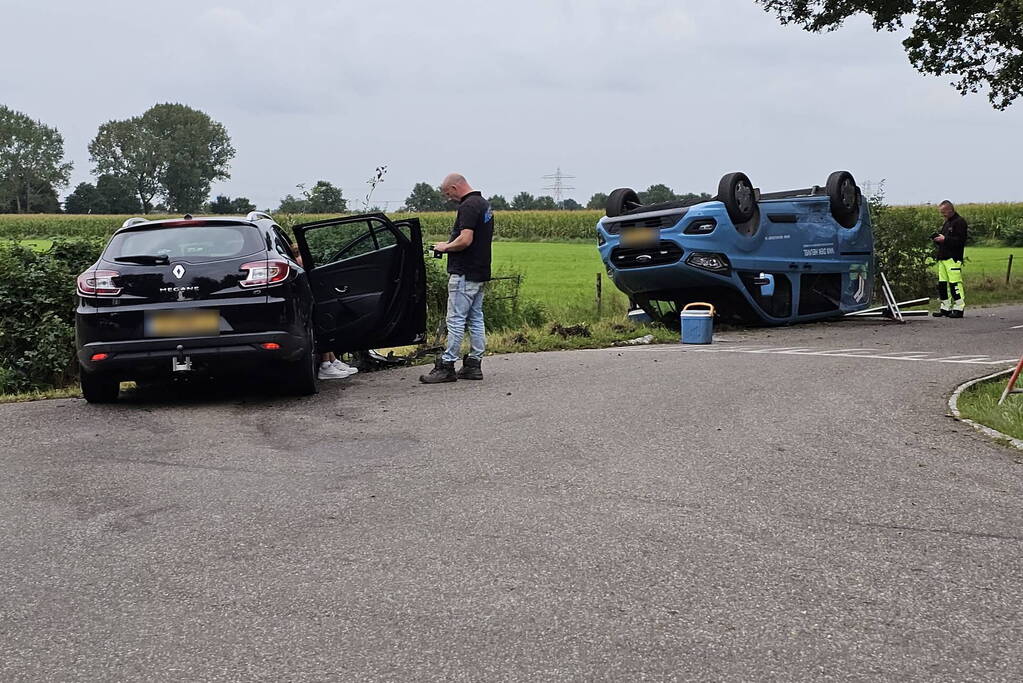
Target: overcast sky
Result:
[614, 93]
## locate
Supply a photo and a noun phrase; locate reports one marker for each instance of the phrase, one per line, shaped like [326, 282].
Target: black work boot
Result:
[955, 314]
[941, 313]
[443, 371]
[470, 368]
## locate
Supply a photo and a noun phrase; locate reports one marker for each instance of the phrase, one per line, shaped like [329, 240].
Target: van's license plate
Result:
[640, 237]
[198, 323]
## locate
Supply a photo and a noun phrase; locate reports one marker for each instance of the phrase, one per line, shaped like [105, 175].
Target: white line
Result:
[1016, 327]
[828, 353]
[918, 356]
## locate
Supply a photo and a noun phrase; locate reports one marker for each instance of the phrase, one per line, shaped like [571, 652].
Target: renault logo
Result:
[178, 271]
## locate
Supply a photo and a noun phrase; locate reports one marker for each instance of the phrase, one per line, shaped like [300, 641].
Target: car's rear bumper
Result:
[153, 357]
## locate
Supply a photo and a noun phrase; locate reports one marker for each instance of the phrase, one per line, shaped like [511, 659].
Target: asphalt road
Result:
[753, 510]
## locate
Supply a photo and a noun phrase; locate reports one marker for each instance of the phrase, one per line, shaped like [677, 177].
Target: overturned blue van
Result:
[760, 258]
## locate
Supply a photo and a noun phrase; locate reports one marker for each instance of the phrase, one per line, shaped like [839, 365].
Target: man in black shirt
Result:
[468, 251]
[950, 241]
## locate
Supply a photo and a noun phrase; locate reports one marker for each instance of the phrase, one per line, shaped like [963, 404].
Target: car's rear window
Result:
[189, 243]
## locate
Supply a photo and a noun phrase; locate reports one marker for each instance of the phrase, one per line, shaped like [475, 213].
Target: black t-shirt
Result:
[955, 231]
[474, 214]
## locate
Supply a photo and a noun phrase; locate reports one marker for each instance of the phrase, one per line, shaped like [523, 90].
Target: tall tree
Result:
[498, 203]
[569, 204]
[31, 162]
[171, 150]
[127, 149]
[424, 197]
[978, 41]
[196, 151]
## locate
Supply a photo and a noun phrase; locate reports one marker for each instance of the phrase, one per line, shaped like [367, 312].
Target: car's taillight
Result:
[98, 283]
[265, 273]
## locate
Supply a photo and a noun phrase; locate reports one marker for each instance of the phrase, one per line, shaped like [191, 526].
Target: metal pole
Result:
[1008, 270]
[598, 294]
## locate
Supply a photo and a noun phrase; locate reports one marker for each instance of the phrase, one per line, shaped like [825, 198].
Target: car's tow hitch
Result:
[181, 362]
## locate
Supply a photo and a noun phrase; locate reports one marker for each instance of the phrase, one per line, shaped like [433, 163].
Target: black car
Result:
[180, 296]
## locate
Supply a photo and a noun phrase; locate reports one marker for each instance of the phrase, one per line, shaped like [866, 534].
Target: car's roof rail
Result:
[135, 220]
[256, 215]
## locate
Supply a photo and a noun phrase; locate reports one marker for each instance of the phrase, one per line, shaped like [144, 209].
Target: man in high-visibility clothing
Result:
[950, 241]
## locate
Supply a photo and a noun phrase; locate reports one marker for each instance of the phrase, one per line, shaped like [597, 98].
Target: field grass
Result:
[980, 404]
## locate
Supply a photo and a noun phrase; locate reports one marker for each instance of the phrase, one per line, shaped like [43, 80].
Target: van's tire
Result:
[98, 388]
[620, 201]
[736, 192]
[844, 197]
[300, 375]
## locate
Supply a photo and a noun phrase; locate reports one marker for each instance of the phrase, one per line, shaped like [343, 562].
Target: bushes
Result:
[37, 314]
[502, 307]
[903, 249]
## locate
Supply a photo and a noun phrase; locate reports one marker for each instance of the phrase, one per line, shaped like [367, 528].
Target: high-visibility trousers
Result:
[950, 285]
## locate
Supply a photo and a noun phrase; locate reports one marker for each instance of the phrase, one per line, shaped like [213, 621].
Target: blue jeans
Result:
[465, 305]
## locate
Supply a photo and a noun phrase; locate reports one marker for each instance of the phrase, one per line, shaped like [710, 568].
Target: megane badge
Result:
[178, 271]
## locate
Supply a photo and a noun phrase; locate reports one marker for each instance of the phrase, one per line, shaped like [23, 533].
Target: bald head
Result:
[455, 186]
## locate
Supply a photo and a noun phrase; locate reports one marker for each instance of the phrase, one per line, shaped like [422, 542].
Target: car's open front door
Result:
[368, 280]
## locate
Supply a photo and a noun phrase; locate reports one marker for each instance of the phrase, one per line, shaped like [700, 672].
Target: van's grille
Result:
[659, 222]
[644, 257]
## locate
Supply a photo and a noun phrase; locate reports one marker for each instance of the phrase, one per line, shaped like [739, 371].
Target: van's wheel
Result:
[301, 374]
[621, 201]
[97, 388]
[844, 197]
[736, 192]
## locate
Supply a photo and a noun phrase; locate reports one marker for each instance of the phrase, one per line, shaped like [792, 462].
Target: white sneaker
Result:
[328, 371]
[344, 367]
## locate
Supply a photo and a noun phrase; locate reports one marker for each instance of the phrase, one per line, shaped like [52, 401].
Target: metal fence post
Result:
[598, 294]
[1008, 270]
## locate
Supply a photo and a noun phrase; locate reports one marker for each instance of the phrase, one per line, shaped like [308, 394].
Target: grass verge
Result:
[980, 404]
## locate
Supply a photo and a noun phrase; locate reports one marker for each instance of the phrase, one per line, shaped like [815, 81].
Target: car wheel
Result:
[301, 374]
[99, 389]
[844, 197]
[621, 201]
[736, 192]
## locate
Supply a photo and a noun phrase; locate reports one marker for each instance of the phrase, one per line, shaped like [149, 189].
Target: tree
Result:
[498, 203]
[425, 197]
[117, 195]
[570, 205]
[225, 205]
[292, 204]
[703, 196]
[196, 150]
[326, 198]
[979, 41]
[242, 205]
[523, 201]
[31, 163]
[84, 199]
[545, 203]
[171, 150]
[597, 201]
[655, 194]
[125, 149]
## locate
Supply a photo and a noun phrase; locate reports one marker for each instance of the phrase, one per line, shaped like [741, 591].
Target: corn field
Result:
[989, 223]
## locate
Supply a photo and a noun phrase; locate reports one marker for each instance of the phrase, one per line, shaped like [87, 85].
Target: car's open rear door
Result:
[368, 280]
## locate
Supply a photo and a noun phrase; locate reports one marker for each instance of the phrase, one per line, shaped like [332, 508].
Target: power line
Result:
[558, 187]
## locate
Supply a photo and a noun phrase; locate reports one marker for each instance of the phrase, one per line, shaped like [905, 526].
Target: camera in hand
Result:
[438, 254]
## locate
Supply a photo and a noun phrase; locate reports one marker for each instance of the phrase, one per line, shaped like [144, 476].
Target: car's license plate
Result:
[196, 323]
[640, 237]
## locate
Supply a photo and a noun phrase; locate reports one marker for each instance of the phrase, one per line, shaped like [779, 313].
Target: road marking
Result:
[1016, 327]
[920, 356]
